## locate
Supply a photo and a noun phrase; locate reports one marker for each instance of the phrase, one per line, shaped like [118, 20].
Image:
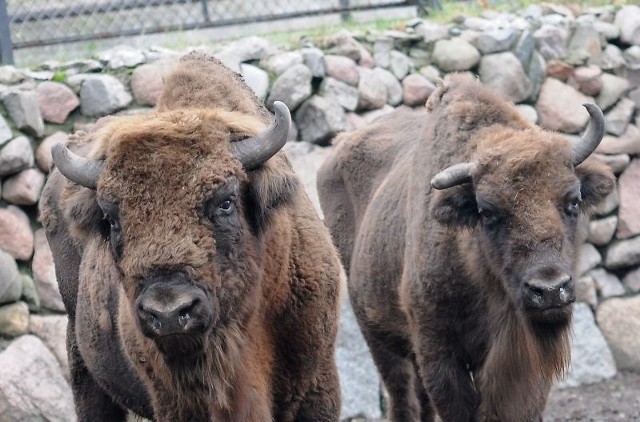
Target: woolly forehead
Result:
[532, 161]
[162, 154]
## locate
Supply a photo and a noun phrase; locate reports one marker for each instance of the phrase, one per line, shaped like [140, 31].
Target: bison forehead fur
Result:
[196, 288]
[461, 279]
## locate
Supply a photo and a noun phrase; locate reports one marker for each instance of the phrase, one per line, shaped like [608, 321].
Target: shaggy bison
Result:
[199, 281]
[459, 228]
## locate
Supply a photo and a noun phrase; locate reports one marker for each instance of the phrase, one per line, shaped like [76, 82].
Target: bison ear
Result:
[270, 186]
[596, 182]
[455, 206]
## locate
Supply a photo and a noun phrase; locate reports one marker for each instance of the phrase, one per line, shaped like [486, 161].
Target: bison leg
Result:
[92, 403]
[398, 375]
[426, 409]
[322, 401]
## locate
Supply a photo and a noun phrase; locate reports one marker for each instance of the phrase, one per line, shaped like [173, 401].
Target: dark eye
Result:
[227, 206]
[488, 218]
[112, 221]
[573, 206]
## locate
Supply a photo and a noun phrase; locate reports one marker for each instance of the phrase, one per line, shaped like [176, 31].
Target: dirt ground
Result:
[615, 400]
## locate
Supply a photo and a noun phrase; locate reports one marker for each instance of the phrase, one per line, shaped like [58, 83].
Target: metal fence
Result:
[29, 23]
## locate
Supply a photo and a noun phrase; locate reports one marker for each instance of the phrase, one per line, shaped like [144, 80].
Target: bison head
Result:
[178, 206]
[522, 197]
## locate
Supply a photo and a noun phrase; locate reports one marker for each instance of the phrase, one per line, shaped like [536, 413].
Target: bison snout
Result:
[545, 293]
[161, 312]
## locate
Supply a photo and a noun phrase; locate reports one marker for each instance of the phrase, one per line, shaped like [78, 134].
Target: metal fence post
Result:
[345, 14]
[6, 49]
[205, 10]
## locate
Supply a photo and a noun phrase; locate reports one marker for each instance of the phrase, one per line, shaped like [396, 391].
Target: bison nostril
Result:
[185, 313]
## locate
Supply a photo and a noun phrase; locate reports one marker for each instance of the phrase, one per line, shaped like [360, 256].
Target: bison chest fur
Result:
[459, 228]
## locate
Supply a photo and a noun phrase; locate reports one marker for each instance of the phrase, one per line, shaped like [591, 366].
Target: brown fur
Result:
[270, 272]
[437, 294]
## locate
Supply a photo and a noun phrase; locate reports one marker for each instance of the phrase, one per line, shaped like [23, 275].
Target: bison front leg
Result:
[322, 400]
[92, 403]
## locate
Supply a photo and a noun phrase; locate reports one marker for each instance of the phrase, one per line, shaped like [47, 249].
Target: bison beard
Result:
[199, 282]
[459, 229]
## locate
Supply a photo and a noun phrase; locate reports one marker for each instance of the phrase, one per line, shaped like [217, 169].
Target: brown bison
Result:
[458, 228]
[199, 281]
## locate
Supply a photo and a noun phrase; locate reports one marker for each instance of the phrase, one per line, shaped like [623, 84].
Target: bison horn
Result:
[452, 176]
[78, 169]
[583, 147]
[256, 150]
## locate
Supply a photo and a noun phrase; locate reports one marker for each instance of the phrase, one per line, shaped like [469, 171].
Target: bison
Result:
[199, 281]
[459, 228]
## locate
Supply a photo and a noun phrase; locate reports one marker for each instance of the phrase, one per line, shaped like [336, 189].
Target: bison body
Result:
[199, 282]
[458, 227]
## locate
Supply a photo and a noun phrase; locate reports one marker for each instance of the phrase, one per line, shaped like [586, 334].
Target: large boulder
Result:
[24, 111]
[44, 274]
[629, 188]
[147, 81]
[16, 237]
[10, 283]
[560, 107]
[23, 188]
[101, 95]
[619, 320]
[455, 55]
[292, 87]
[52, 330]
[32, 388]
[319, 119]
[628, 21]
[14, 320]
[504, 74]
[16, 156]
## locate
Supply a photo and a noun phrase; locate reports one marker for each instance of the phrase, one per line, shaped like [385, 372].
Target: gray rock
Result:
[101, 95]
[608, 30]
[281, 62]
[619, 320]
[629, 190]
[44, 274]
[372, 93]
[632, 280]
[382, 52]
[551, 41]
[394, 88]
[340, 92]
[586, 291]
[256, 78]
[416, 89]
[43, 152]
[623, 253]
[632, 75]
[245, 49]
[591, 358]
[9, 75]
[29, 294]
[560, 108]
[609, 204]
[617, 119]
[628, 143]
[524, 48]
[16, 156]
[292, 87]
[528, 112]
[633, 95]
[359, 380]
[319, 119]
[632, 56]
[431, 73]
[628, 21]
[52, 330]
[431, 31]
[496, 41]
[24, 111]
[147, 80]
[314, 59]
[503, 73]
[14, 320]
[23, 188]
[479, 24]
[10, 284]
[584, 43]
[455, 55]
[122, 56]
[610, 59]
[616, 162]
[5, 131]
[537, 73]
[306, 159]
[588, 258]
[601, 231]
[587, 79]
[419, 56]
[607, 284]
[32, 388]
[399, 64]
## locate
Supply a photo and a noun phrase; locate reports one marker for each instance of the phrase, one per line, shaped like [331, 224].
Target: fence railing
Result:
[30, 23]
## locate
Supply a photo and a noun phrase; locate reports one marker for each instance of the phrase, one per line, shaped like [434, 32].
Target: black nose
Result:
[165, 310]
[545, 293]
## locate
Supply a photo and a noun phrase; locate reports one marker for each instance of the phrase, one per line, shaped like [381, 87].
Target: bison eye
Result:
[227, 206]
[573, 206]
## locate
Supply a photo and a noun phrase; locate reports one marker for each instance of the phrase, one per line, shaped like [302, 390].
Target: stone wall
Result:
[547, 59]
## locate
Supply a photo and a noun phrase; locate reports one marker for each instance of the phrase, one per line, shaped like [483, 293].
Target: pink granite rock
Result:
[16, 237]
[56, 101]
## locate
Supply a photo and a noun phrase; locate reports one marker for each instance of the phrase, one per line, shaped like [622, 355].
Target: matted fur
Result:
[272, 276]
[437, 296]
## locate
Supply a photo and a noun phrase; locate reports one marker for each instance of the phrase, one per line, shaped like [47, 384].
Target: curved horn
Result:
[453, 176]
[78, 169]
[583, 147]
[256, 150]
